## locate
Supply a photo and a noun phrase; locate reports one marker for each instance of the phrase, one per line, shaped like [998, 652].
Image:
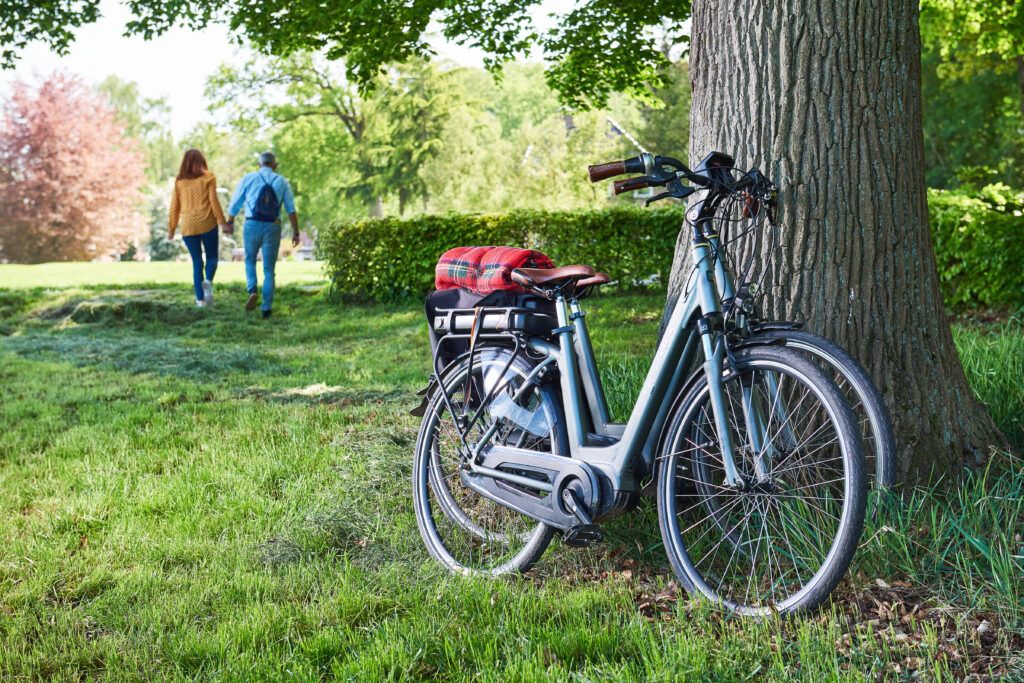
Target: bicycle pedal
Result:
[582, 535]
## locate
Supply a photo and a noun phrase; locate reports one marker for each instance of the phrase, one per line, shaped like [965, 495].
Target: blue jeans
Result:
[266, 236]
[196, 245]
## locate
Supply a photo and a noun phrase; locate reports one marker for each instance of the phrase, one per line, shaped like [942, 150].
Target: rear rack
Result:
[491, 320]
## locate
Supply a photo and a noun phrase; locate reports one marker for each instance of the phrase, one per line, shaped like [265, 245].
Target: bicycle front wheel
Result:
[779, 540]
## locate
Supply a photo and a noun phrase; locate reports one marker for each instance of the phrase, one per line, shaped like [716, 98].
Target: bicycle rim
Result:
[780, 543]
[468, 532]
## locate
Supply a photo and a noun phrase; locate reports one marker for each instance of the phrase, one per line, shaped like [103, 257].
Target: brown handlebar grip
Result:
[608, 170]
[629, 184]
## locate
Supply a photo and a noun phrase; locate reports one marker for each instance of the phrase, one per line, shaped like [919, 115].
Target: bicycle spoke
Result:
[760, 543]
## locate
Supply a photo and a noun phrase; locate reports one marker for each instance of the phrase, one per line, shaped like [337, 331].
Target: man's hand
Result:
[229, 227]
[293, 218]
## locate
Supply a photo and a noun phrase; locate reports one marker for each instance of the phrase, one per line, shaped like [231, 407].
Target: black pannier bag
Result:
[452, 311]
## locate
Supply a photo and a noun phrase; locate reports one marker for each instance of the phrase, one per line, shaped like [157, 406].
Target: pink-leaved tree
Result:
[69, 178]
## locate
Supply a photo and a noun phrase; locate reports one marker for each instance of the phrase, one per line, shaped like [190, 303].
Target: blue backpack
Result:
[268, 206]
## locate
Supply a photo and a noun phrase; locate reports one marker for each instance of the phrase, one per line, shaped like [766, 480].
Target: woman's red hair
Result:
[193, 165]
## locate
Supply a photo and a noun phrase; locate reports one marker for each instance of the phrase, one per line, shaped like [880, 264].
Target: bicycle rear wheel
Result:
[868, 407]
[781, 541]
[467, 532]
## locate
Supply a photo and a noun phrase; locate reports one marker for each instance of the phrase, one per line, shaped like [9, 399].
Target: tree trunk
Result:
[825, 98]
[1020, 81]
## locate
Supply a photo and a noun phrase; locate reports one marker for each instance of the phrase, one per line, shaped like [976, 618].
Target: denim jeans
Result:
[196, 245]
[266, 237]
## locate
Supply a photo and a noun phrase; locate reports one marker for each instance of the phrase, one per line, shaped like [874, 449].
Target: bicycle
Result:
[761, 487]
[865, 401]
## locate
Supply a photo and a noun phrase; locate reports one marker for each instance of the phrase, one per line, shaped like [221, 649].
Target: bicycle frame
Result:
[611, 448]
[692, 322]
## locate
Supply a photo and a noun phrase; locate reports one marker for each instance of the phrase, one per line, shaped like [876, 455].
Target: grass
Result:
[189, 493]
[130, 273]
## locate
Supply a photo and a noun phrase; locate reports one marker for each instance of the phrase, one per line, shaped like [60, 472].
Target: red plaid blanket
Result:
[485, 269]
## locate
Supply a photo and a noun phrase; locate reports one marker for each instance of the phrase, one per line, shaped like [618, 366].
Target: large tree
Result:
[824, 96]
[826, 99]
[69, 179]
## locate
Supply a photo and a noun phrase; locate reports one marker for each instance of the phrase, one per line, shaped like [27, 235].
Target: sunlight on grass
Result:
[137, 273]
[204, 494]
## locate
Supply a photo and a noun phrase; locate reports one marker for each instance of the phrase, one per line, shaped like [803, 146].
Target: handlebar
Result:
[630, 184]
[611, 169]
[657, 175]
[715, 171]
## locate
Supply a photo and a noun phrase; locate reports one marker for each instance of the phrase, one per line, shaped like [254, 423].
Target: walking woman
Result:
[196, 206]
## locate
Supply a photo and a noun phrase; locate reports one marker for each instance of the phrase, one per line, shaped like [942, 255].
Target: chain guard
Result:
[557, 471]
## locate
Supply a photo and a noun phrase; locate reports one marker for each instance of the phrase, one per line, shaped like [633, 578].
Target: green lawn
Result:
[138, 273]
[198, 493]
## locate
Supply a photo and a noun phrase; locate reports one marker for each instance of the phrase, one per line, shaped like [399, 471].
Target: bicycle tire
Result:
[868, 406]
[774, 498]
[467, 533]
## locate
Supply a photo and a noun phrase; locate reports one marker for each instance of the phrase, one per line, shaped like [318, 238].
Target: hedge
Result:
[979, 245]
[392, 258]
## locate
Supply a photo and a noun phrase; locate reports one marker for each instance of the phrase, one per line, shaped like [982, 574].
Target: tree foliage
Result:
[146, 119]
[336, 142]
[597, 48]
[69, 178]
[993, 27]
[973, 87]
[51, 21]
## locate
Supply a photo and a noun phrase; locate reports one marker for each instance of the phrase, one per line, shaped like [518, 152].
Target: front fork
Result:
[713, 340]
[757, 417]
[713, 353]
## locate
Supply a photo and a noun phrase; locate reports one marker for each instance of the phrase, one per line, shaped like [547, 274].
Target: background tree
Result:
[148, 120]
[665, 121]
[363, 148]
[987, 28]
[69, 178]
[971, 81]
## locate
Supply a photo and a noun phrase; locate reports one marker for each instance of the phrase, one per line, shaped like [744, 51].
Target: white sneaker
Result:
[200, 304]
[207, 293]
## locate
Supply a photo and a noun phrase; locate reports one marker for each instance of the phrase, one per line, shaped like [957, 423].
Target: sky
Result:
[176, 64]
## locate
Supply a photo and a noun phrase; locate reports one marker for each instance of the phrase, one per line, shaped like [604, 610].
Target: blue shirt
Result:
[248, 191]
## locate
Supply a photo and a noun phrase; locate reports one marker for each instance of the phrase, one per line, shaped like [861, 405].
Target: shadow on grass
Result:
[140, 354]
[321, 394]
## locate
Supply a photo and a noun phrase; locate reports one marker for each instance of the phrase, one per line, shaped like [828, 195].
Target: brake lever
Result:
[657, 197]
[679, 192]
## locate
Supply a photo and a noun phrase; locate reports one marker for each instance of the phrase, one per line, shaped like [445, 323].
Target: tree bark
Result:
[1020, 80]
[825, 98]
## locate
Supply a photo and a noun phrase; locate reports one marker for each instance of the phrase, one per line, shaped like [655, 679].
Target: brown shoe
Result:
[250, 304]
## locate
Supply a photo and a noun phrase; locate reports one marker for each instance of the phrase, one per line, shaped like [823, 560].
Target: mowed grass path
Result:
[138, 273]
[190, 493]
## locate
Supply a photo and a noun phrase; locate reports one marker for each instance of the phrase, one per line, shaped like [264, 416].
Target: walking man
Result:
[262, 194]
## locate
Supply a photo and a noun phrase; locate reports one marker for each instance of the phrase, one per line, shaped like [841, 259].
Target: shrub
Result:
[391, 258]
[979, 246]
